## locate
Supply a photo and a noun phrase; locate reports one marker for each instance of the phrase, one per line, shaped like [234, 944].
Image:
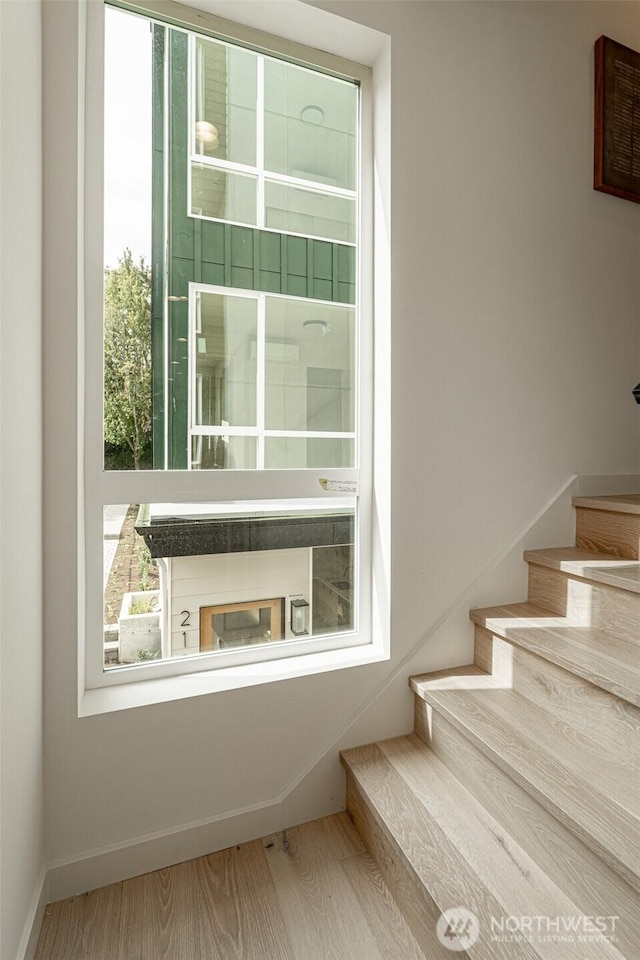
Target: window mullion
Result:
[182, 486]
[261, 379]
[260, 128]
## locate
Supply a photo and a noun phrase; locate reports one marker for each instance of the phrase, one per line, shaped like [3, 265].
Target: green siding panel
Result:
[310, 269]
[346, 264]
[157, 248]
[322, 260]
[297, 286]
[270, 251]
[212, 242]
[242, 277]
[323, 289]
[297, 256]
[346, 293]
[242, 247]
[178, 384]
[213, 273]
[270, 282]
[181, 224]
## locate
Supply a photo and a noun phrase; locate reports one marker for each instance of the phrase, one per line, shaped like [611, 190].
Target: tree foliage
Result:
[127, 357]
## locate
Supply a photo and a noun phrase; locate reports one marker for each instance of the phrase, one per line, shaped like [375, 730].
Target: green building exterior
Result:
[188, 249]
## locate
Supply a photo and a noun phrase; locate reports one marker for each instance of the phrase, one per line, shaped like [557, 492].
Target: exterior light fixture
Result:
[206, 134]
[312, 113]
[299, 617]
[636, 393]
[319, 327]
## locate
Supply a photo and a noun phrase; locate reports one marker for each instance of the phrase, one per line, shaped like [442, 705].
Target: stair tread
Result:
[531, 721]
[620, 503]
[608, 662]
[552, 761]
[458, 849]
[589, 565]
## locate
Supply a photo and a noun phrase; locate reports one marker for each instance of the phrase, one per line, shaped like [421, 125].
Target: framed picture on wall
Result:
[617, 120]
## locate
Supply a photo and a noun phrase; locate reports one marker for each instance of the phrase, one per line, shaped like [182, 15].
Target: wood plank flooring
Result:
[308, 893]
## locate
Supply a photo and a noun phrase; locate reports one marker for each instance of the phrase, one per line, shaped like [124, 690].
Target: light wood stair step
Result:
[609, 720]
[609, 662]
[585, 599]
[609, 524]
[596, 889]
[450, 843]
[617, 503]
[599, 567]
[592, 794]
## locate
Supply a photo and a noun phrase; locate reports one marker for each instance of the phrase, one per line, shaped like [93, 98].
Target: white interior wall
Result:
[514, 345]
[21, 735]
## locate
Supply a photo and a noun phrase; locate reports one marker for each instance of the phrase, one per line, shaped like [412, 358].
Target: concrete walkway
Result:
[114, 515]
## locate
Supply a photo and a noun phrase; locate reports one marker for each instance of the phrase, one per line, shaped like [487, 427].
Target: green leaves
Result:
[127, 357]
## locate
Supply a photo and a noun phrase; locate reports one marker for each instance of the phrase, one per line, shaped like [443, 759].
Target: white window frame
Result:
[101, 690]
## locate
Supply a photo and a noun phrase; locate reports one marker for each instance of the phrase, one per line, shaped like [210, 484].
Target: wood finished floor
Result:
[309, 893]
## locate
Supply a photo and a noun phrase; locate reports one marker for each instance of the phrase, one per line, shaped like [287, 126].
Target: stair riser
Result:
[418, 908]
[483, 649]
[595, 888]
[601, 824]
[586, 602]
[608, 532]
[601, 715]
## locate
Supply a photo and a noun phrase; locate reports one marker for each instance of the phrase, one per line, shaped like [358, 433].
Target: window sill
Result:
[143, 693]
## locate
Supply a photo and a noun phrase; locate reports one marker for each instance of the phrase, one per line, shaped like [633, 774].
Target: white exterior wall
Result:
[21, 653]
[514, 342]
[232, 578]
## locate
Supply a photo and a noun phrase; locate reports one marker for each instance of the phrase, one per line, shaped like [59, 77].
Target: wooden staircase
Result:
[517, 796]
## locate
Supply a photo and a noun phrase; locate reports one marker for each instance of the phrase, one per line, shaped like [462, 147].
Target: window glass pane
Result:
[131, 579]
[311, 387]
[310, 125]
[223, 453]
[186, 579]
[222, 195]
[314, 214]
[224, 348]
[127, 240]
[169, 374]
[333, 583]
[225, 102]
[298, 453]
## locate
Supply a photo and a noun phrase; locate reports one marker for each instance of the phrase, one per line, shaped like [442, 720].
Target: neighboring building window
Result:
[233, 355]
[272, 144]
[272, 381]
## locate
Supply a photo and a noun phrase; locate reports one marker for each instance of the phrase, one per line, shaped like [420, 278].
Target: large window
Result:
[233, 500]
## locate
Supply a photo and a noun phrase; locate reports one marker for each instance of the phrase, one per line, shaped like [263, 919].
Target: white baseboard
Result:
[138, 855]
[35, 916]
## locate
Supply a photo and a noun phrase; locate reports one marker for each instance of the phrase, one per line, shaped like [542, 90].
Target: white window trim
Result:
[172, 680]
